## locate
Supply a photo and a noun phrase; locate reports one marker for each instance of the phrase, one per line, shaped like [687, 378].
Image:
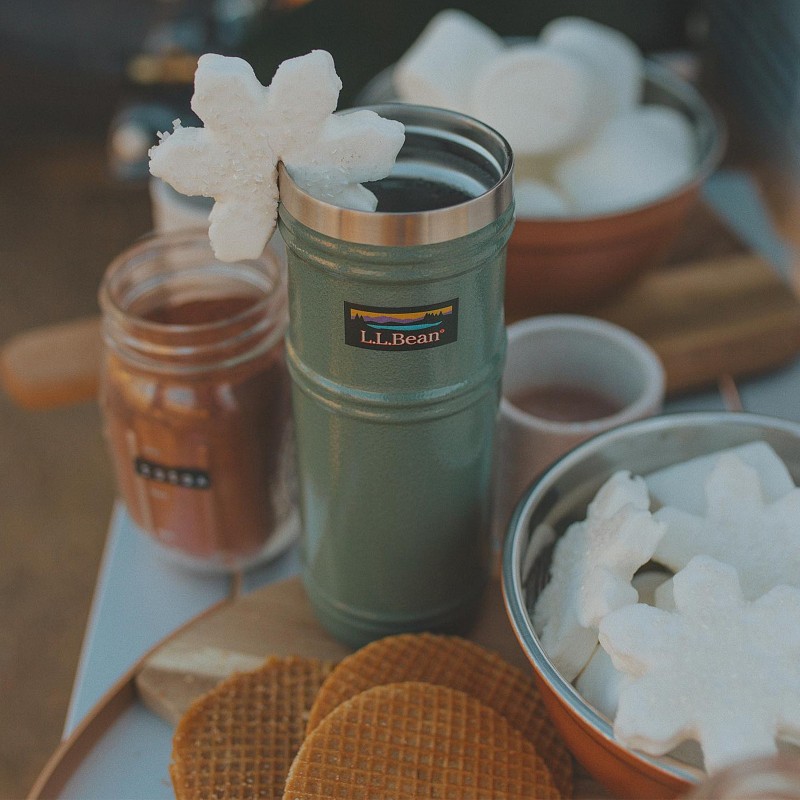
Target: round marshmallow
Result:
[541, 100]
[606, 53]
[443, 63]
[672, 129]
[538, 199]
[627, 164]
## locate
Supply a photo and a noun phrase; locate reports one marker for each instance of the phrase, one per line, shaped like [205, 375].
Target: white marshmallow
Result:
[541, 100]
[761, 539]
[590, 575]
[443, 63]
[536, 199]
[248, 128]
[683, 485]
[621, 536]
[719, 669]
[568, 644]
[348, 149]
[599, 683]
[672, 129]
[626, 165]
[606, 53]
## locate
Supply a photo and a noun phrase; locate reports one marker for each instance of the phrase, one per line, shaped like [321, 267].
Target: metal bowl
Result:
[568, 264]
[559, 497]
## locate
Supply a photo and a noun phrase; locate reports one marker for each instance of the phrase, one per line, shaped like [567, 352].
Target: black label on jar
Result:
[187, 478]
[404, 328]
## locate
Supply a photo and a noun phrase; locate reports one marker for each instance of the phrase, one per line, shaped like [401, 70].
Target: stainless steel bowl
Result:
[559, 497]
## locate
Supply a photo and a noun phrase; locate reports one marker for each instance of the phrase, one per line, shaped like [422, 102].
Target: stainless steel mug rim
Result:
[417, 227]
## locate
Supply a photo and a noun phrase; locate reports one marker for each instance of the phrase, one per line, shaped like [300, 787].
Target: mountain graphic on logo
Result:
[403, 321]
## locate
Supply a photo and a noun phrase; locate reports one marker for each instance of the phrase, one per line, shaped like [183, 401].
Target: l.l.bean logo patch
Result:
[404, 328]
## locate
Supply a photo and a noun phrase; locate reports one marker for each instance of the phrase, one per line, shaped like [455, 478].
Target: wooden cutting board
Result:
[730, 315]
[278, 620]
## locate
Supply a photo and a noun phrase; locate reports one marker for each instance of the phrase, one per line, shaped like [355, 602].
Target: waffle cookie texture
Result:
[238, 740]
[455, 663]
[417, 740]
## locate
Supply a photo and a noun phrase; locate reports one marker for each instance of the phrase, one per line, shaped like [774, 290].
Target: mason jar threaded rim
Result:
[161, 266]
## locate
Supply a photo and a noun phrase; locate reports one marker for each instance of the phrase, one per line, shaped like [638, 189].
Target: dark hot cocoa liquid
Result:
[404, 195]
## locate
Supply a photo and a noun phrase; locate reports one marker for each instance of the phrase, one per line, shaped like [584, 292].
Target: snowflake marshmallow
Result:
[719, 669]
[592, 569]
[249, 128]
[761, 539]
[682, 485]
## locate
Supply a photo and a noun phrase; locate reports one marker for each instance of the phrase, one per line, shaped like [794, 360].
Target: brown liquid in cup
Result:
[564, 403]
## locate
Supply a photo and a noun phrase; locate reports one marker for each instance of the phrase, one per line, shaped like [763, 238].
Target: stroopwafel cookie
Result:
[417, 740]
[458, 664]
[238, 740]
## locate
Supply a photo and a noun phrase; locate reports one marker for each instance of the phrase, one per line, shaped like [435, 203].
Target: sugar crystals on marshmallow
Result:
[249, 128]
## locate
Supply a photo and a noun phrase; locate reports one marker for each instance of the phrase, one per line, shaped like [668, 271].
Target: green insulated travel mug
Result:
[396, 344]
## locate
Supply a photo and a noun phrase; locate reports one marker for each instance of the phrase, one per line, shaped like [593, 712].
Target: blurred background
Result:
[84, 85]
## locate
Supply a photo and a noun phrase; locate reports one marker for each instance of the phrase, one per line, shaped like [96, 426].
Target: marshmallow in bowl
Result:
[677, 667]
[541, 100]
[682, 485]
[719, 669]
[671, 128]
[599, 682]
[570, 100]
[622, 537]
[443, 63]
[606, 53]
[737, 521]
[538, 199]
[592, 569]
[568, 644]
[626, 165]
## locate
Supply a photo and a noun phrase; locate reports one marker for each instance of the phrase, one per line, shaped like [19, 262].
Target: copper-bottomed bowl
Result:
[570, 263]
[559, 497]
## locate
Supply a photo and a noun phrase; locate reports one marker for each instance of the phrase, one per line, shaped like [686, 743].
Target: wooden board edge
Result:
[69, 755]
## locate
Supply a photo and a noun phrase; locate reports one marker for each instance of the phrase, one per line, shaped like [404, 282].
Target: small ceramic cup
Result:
[566, 378]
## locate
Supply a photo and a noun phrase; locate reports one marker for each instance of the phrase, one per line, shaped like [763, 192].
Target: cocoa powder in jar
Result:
[196, 400]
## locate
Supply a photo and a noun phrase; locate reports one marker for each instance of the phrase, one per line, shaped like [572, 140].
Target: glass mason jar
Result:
[396, 346]
[196, 401]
